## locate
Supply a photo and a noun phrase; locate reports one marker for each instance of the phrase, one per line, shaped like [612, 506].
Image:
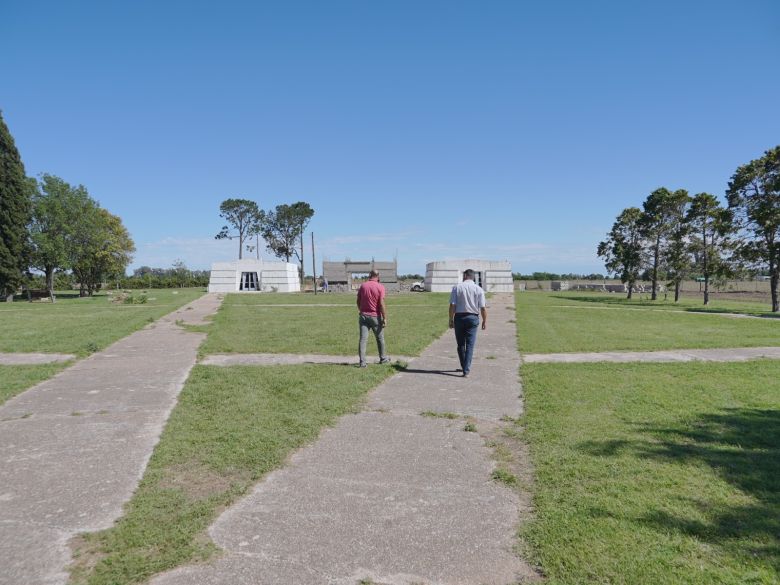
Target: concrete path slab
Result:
[386, 495]
[34, 359]
[432, 382]
[739, 354]
[73, 448]
[273, 359]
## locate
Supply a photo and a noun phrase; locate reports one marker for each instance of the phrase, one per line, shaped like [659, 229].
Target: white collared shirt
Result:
[467, 297]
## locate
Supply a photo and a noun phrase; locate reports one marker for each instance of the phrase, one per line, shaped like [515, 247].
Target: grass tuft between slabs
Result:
[15, 379]
[231, 426]
[655, 473]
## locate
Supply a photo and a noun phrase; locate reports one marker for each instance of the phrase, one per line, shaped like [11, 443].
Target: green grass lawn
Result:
[257, 324]
[82, 325]
[573, 322]
[230, 427]
[690, 304]
[655, 473]
[14, 379]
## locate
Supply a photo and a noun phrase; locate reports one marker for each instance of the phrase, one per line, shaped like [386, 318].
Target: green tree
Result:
[655, 228]
[57, 207]
[180, 273]
[102, 250]
[676, 253]
[623, 250]
[242, 215]
[15, 210]
[284, 227]
[711, 226]
[754, 197]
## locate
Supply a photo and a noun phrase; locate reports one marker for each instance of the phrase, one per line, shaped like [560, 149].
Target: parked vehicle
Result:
[418, 286]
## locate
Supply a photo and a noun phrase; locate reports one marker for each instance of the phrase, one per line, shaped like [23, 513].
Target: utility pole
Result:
[313, 264]
[301, 255]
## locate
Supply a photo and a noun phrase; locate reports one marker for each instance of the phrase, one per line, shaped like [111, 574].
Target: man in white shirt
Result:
[467, 303]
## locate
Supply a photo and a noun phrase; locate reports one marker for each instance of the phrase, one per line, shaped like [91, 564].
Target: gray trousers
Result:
[369, 323]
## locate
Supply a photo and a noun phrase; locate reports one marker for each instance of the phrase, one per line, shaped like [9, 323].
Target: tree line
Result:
[281, 228]
[49, 225]
[675, 235]
[556, 276]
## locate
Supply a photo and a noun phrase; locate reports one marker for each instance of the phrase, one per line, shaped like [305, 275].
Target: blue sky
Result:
[428, 129]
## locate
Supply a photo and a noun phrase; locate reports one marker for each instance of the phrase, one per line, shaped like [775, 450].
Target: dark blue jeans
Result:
[466, 326]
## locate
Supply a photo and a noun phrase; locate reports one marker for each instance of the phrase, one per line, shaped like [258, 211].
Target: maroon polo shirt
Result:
[369, 295]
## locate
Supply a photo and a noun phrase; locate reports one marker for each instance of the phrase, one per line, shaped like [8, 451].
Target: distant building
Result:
[349, 275]
[250, 275]
[492, 276]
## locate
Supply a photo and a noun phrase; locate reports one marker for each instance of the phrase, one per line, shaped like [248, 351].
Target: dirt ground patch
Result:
[513, 467]
[198, 482]
[86, 554]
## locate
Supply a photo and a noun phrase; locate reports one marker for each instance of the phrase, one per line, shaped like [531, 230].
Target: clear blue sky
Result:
[435, 129]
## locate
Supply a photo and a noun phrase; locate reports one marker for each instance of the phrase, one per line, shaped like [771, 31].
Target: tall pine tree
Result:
[15, 209]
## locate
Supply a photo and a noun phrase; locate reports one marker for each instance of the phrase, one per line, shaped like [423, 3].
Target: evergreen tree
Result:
[244, 216]
[656, 226]
[754, 196]
[624, 250]
[710, 227]
[676, 253]
[15, 209]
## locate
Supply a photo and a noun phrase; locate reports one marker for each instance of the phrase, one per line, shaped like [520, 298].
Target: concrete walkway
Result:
[34, 359]
[389, 495]
[73, 448]
[739, 354]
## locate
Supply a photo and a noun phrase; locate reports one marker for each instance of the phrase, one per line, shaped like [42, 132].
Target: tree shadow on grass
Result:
[742, 446]
[620, 300]
[745, 312]
[617, 299]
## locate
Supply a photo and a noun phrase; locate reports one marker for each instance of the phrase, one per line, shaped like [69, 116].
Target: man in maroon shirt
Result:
[372, 316]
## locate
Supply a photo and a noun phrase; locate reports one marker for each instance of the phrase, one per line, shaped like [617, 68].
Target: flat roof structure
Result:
[491, 275]
[250, 275]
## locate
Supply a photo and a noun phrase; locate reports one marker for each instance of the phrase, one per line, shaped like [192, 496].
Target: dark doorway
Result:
[249, 281]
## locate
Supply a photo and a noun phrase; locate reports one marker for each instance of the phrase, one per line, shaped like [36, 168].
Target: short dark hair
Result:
[468, 273]
[373, 274]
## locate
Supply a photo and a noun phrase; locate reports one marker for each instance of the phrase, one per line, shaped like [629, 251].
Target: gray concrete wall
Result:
[341, 272]
[274, 276]
[441, 276]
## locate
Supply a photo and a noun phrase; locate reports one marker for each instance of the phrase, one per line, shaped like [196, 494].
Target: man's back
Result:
[369, 295]
[467, 297]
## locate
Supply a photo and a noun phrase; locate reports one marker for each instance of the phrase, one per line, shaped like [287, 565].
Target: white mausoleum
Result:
[491, 275]
[250, 275]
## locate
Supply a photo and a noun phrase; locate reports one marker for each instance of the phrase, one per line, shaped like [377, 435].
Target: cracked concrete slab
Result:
[73, 448]
[386, 495]
[432, 382]
[739, 354]
[34, 359]
[398, 499]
